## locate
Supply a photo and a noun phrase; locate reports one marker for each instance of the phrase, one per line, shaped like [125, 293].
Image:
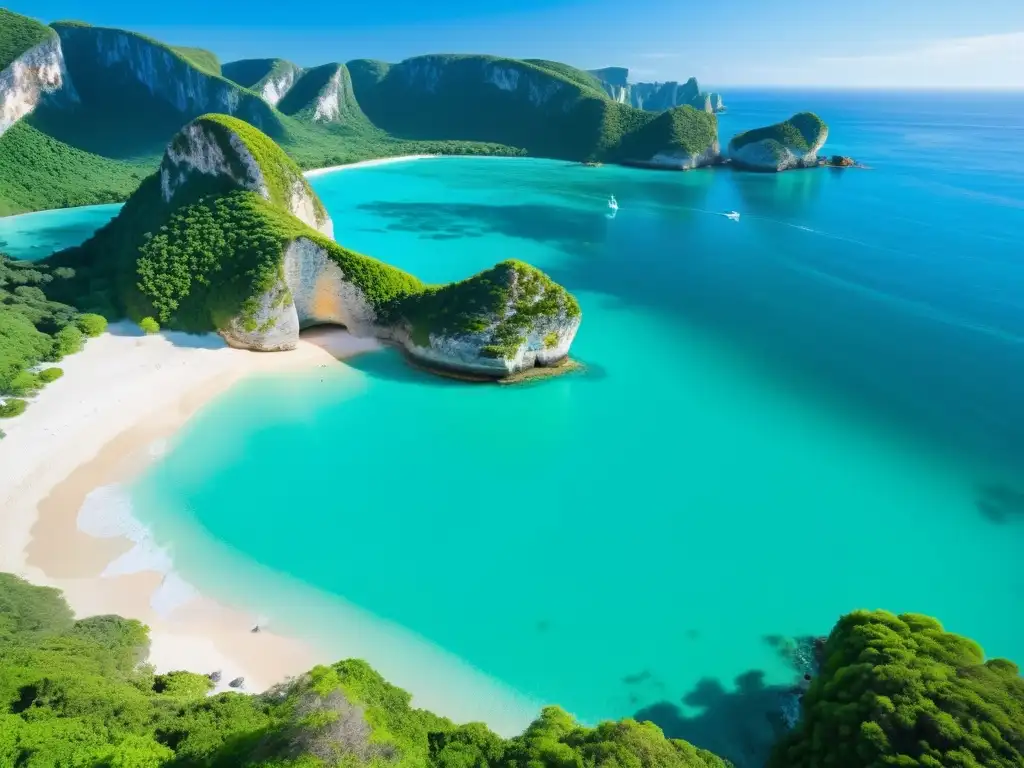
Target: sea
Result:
[812, 410]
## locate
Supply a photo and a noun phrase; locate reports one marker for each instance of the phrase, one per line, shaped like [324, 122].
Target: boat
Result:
[613, 203]
[734, 215]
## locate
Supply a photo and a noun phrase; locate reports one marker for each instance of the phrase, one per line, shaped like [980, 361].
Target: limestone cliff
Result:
[211, 147]
[270, 78]
[323, 94]
[228, 236]
[104, 59]
[656, 97]
[35, 74]
[794, 143]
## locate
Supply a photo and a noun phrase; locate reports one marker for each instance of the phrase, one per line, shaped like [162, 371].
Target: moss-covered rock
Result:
[216, 241]
[793, 143]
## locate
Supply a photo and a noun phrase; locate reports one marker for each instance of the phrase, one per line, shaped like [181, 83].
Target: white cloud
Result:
[981, 61]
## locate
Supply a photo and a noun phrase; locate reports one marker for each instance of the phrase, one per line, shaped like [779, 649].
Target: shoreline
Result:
[95, 428]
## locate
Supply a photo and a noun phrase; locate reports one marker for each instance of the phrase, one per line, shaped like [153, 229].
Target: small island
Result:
[793, 143]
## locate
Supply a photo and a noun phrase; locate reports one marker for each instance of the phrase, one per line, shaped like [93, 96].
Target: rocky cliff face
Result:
[333, 97]
[681, 160]
[205, 147]
[109, 57]
[277, 84]
[36, 74]
[656, 97]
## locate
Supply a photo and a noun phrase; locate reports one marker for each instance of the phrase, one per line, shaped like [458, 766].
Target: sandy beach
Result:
[366, 164]
[98, 425]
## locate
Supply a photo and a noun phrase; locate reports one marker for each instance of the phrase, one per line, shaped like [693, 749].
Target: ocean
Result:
[812, 410]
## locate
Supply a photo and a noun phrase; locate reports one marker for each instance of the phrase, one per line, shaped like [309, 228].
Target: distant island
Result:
[793, 143]
[656, 97]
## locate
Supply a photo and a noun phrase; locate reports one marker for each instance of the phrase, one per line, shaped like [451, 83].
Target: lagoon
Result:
[784, 419]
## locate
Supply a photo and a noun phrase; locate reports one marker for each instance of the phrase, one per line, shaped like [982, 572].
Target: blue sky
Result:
[847, 43]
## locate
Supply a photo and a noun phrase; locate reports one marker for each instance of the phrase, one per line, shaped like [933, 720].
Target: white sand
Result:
[366, 164]
[95, 426]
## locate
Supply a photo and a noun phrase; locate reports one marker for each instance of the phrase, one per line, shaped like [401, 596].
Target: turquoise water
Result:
[37, 235]
[784, 419]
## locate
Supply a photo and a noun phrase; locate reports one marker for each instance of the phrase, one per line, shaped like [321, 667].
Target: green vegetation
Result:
[78, 693]
[205, 259]
[91, 325]
[252, 73]
[12, 407]
[799, 133]
[149, 325]
[900, 691]
[33, 326]
[303, 94]
[50, 374]
[17, 34]
[200, 58]
[681, 129]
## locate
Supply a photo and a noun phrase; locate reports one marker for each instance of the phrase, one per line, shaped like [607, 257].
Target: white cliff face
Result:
[166, 76]
[37, 74]
[685, 161]
[539, 90]
[313, 290]
[197, 150]
[275, 87]
[769, 155]
[332, 97]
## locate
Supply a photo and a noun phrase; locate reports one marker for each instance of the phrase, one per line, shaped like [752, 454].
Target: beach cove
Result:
[678, 512]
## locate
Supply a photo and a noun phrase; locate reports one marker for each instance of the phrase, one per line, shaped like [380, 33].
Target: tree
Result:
[901, 691]
[91, 324]
[24, 383]
[67, 341]
[12, 407]
[50, 374]
[149, 325]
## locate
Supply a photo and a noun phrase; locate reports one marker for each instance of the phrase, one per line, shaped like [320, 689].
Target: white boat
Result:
[734, 215]
[613, 203]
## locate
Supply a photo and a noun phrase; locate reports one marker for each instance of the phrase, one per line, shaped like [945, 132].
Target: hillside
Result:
[270, 78]
[323, 94]
[793, 143]
[228, 236]
[200, 58]
[549, 109]
[18, 34]
[106, 102]
[78, 693]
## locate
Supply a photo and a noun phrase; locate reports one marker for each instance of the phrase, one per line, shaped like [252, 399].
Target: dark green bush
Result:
[900, 691]
[67, 341]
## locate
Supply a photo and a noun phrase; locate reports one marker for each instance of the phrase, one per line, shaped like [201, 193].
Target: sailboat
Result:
[613, 203]
[734, 215]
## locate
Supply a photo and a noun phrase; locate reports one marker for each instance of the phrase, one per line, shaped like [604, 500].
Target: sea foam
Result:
[106, 513]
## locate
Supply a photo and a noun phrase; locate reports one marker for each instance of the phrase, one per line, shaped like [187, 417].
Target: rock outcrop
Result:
[270, 78]
[323, 95]
[217, 240]
[36, 74]
[212, 147]
[794, 143]
[103, 59]
[655, 97]
[681, 138]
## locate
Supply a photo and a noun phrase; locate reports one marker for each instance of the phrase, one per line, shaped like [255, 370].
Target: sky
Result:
[798, 43]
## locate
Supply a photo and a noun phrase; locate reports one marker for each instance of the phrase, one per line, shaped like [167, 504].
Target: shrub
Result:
[50, 374]
[24, 383]
[67, 341]
[149, 325]
[12, 408]
[91, 325]
[900, 691]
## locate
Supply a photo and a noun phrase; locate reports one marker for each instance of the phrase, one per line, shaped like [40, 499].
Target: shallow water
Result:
[36, 235]
[785, 418]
